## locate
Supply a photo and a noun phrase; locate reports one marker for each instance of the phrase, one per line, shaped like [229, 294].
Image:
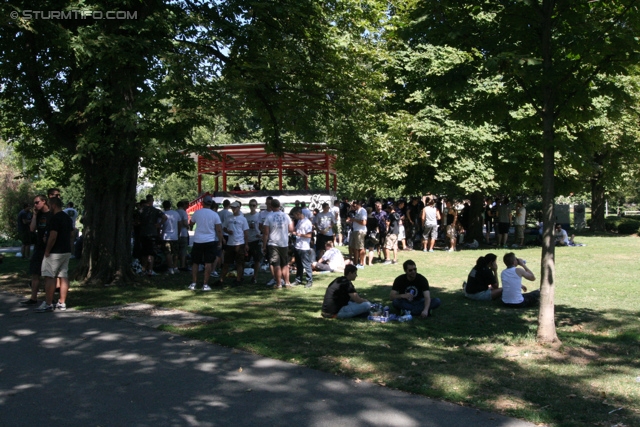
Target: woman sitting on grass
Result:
[482, 283]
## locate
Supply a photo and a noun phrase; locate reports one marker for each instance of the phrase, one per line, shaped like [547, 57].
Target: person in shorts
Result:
[356, 240]
[57, 253]
[430, 217]
[255, 237]
[207, 235]
[236, 228]
[275, 242]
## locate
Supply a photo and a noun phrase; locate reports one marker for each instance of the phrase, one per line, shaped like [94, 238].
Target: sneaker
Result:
[394, 262]
[308, 285]
[206, 288]
[192, 287]
[430, 250]
[296, 282]
[386, 262]
[271, 282]
[29, 302]
[151, 273]
[61, 306]
[359, 266]
[215, 274]
[424, 250]
[170, 271]
[44, 307]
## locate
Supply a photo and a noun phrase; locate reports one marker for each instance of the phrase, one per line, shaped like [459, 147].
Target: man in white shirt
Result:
[359, 231]
[275, 243]
[338, 227]
[511, 279]
[207, 235]
[304, 253]
[429, 218]
[332, 260]
[324, 223]
[237, 230]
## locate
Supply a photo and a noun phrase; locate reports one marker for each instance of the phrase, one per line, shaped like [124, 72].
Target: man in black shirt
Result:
[39, 222]
[410, 291]
[57, 253]
[341, 299]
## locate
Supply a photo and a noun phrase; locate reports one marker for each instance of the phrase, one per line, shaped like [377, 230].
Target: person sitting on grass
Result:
[410, 291]
[341, 299]
[332, 259]
[561, 237]
[482, 283]
[512, 283]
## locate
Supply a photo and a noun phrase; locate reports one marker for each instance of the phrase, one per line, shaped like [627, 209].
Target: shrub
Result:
[622, 225]
[13, 197]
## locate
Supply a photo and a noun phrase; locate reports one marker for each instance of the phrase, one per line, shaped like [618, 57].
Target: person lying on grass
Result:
[341, 299]
[482, 283]
[410, 291]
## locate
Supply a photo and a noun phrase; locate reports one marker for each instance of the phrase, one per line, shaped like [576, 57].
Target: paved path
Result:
[73, 369]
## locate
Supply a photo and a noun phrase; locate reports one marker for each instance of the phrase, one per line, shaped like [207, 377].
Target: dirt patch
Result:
[149, 315]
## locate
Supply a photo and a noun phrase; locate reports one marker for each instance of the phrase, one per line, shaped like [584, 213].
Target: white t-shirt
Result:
[561, 236]
[205, 220]
[307, 213]
[430, 216]
[254, 226]
[361, 215]
[511, 286]
[335, 259]
[324, 222]
[521, 214]
[73, 214]
[303, 227]
[237, 224]
[184, 216]
[336, 213]
[170, 226]
[223, 214]
[278, 223]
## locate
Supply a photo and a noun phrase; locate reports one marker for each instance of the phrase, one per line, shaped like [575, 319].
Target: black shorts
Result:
[35, 264]
[147, 245]
[255, 250]
[234, 254]
[503, 227]
[204, 253]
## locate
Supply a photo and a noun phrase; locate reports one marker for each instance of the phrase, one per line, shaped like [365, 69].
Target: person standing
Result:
[24, 219]
[356, 240]
[430, 217]
[520, 221]
[183, 234]
[254, 238]
[304, 253]
[338, 223]
[410, 291]
[324, 223]
[170, 236]
[206, 239]
[275, 242]
[237, 230]
[391, 239]
[504, 222]
[57, 252]
[151, 220]
[452, 223]
[39, 222]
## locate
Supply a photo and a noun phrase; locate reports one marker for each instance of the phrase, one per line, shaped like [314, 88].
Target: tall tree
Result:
[107, 96]
[526, 67]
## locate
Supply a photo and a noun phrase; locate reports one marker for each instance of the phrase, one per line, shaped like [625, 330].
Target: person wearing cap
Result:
[206, 238]
[356, 240]
[237, 230]
[275, 243]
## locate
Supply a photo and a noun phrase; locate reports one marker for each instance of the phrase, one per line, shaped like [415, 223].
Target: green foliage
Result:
[12, 198]
[622, 225]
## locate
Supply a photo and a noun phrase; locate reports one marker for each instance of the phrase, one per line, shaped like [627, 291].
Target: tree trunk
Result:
[546, 316]
[476, 221]
[597, 204]
[110, 190]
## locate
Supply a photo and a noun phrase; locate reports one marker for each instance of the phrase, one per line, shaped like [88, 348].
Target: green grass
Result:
[472, 353]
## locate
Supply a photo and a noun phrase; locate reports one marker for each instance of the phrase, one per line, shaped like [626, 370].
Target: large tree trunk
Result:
[546, 316]
[597, 204]
[110, 190]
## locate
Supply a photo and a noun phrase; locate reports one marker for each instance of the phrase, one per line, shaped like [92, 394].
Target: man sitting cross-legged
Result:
[341, 299]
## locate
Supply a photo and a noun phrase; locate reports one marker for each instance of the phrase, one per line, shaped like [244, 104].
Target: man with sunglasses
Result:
[39, 222]
[410, 291]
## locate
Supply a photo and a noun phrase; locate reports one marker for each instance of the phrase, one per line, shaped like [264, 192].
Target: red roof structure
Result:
[254, 160]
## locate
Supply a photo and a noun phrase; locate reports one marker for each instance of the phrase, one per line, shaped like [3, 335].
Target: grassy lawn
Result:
[472, 353]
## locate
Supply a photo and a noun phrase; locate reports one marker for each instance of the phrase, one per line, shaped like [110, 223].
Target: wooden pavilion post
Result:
[280, 172]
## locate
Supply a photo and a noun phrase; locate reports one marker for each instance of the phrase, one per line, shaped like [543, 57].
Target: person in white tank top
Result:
[512, 286]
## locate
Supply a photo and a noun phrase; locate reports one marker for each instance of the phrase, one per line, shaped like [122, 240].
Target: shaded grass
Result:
[472, 353]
